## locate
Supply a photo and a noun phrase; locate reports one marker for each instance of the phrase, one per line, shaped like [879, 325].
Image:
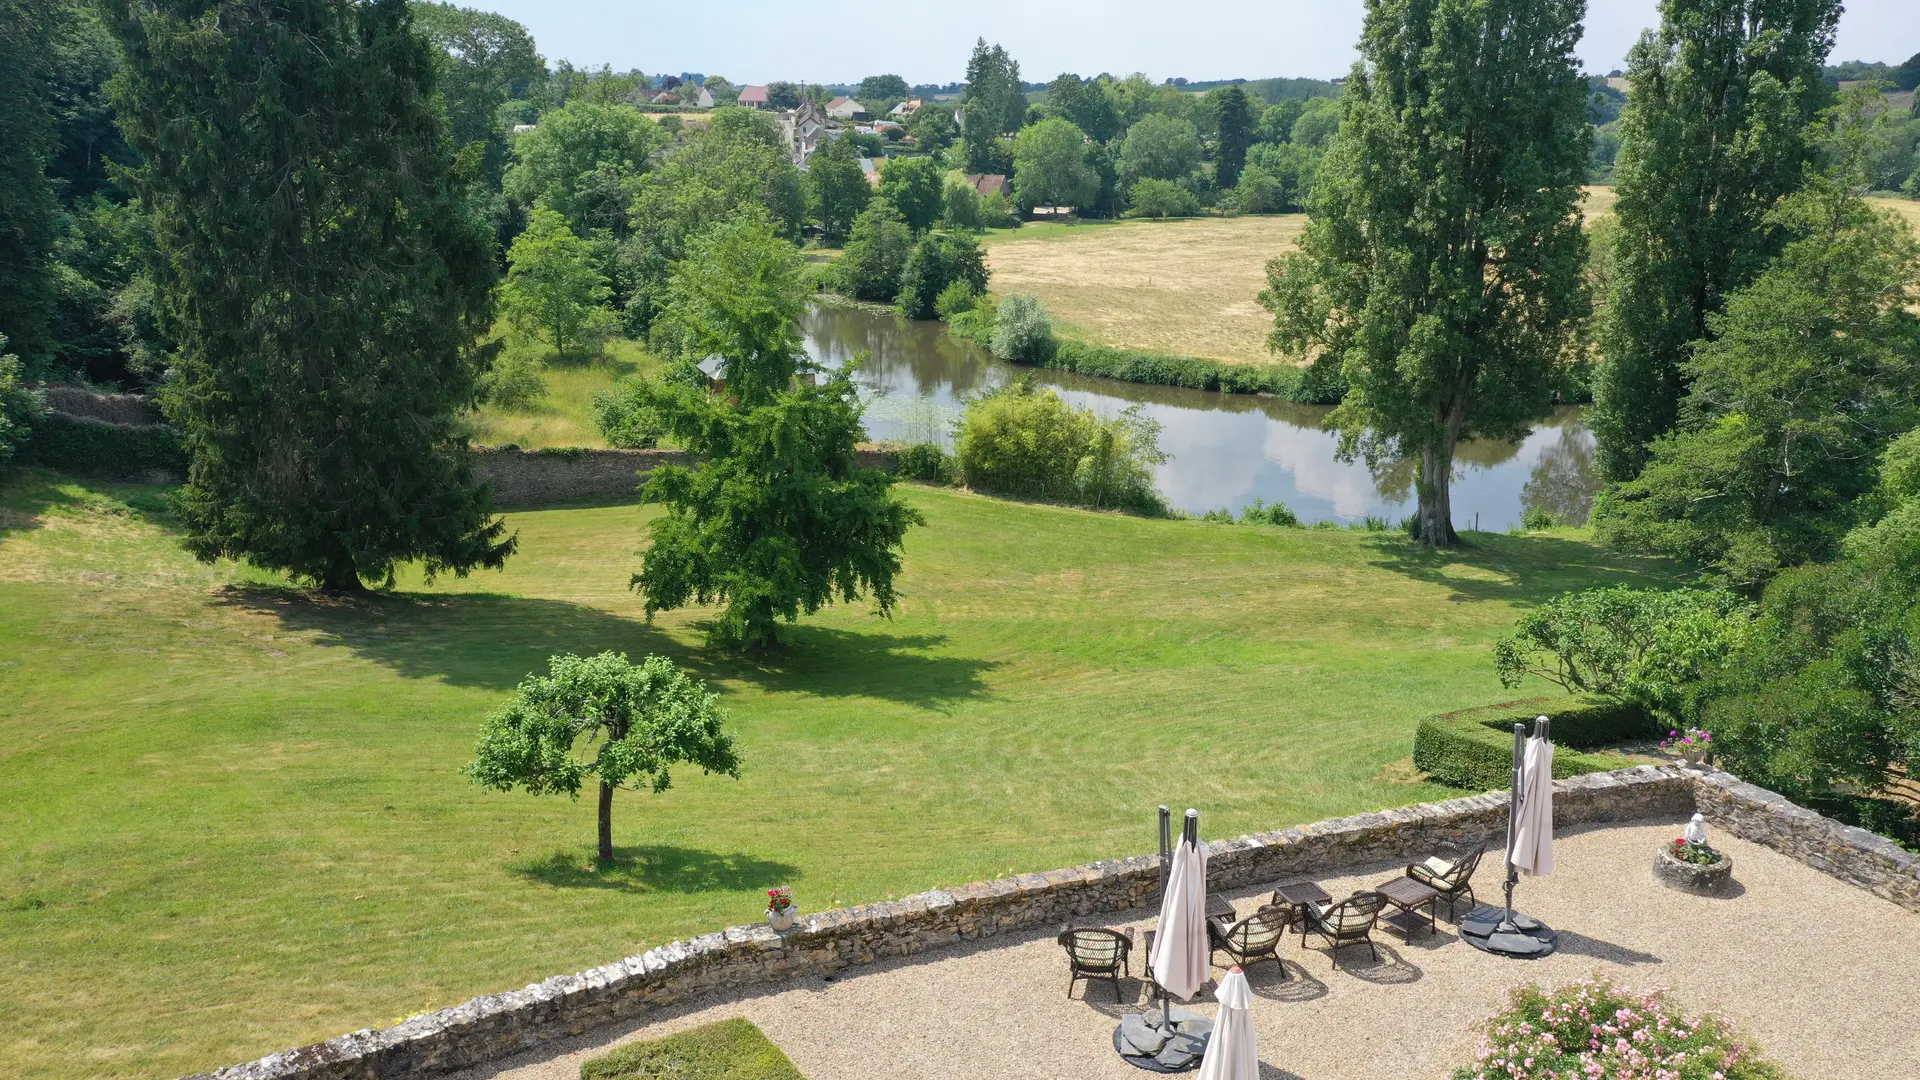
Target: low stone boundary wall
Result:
[543, 477]
[1860, 858]
[497, 1025]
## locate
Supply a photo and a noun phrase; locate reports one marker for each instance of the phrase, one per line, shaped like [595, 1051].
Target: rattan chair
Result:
[1452, 880]
[1254, 938]
[1349, 922]
[1095, 953]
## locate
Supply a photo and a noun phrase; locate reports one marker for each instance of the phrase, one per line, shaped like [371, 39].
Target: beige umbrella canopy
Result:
[1533, 837]
[1180, 955]
[1233, 1053]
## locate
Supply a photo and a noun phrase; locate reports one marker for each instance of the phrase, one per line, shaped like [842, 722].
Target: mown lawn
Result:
[232, 819]
[564, 417]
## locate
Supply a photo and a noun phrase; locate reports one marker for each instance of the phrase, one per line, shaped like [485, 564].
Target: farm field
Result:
[232, 818]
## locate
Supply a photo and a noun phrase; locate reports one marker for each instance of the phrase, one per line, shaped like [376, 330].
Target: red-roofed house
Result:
[753, 97]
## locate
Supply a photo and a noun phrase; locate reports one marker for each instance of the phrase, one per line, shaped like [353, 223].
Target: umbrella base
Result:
[1145, 1043]
[1525, 938]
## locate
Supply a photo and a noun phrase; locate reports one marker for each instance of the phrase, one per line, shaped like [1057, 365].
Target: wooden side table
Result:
[1300, 896]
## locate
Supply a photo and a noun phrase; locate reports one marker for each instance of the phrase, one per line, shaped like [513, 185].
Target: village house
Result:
[905, 109]
[845, 108]
[991, 184]
[754, 97]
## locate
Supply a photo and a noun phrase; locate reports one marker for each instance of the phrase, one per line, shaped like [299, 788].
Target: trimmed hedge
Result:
[1314, 385]
[1473, 748]
[87, 447]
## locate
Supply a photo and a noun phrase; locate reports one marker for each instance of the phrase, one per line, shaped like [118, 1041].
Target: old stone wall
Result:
[545, 477]
[1858, 857]
[497, 1025]
[135, 410]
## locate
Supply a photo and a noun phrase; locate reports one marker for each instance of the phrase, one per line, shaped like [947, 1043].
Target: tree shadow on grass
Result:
[493, 640]
[1522, 569]
[28, 495]
[656, 868]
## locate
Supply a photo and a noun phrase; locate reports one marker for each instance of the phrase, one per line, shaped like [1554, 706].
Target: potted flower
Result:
[1690, 864]
[780, 912]
[1695, 747]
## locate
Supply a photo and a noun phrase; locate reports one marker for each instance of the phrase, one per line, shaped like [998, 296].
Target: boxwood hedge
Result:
[88, 447]
[1473, 748]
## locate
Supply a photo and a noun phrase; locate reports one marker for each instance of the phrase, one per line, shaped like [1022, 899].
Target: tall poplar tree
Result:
[320, 268]
[1441, 265]
[1712, 135]
[995, 106]
[1233, 121]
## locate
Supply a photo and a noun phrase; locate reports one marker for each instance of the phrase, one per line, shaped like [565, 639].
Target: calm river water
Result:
[1224, 450]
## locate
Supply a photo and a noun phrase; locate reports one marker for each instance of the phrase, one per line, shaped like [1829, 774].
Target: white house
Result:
[905, 109]
[845, 108]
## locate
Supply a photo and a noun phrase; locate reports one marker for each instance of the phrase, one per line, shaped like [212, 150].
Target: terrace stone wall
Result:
[497, 1025]
[1860, 858]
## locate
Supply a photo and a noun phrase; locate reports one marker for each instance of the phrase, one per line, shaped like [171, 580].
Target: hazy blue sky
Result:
[842, 40]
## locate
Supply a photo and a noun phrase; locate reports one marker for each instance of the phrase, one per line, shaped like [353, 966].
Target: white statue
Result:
[1697, 831]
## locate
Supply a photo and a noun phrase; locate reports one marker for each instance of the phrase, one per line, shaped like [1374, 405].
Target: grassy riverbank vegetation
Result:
[240, 802]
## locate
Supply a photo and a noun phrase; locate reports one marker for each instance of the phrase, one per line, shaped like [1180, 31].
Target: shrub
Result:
[1161, 198]
[1020, 440]
[625, 417]
[87, 447]
[1473, 748]
[18, 406]
[976, 325]
[515, 381]
[924, 462]
[957, 298]
[1261, 513]
[1653, 648]
[939, 260]
[1593, 1031]
[1535, 518]
[1318, 384]
[1021, 330]
[727, 1050]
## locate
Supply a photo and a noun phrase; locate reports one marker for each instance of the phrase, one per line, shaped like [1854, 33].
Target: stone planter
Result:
[1708, 880]
[782, 920]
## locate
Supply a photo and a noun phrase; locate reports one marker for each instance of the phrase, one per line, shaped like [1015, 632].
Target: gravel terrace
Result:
[1819, 974]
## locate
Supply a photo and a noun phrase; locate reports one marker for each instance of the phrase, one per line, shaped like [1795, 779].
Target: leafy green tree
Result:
[961, 206]
[606, 718]
[939, 260]
[1159, 147]
[581, 160]
[553, 289]
[783, 95]
[1808, 374]
[869, 269]
[780, 519]
[837, 189]
[739, 163]
[1276, 122]
[994, 106]
[18, 406]
[487, 60]
[1907, 75]
[1050, 166]
[1153, 198]
[915, 187]
[1318, 123]
[1234, 123]
[1711, 137]
[326, 282]
[27, 205]
[933, 127]
[1086, 106]
[878, 88]
[1024, 440]
[1441, 265]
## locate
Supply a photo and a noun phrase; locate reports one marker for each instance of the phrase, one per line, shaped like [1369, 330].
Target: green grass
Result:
[728, 1050]
[232, 819]
[565, 416]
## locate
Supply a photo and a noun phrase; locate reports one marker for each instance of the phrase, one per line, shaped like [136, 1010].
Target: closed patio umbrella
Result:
[1180, 954]
[1233, 1053]
[1533, 838]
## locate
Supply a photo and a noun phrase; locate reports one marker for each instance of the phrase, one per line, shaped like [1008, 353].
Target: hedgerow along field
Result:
[232, 818]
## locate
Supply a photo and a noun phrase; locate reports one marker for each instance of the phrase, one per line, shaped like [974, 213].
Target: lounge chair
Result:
[1254, 938]
[1451, 878]
[1096, 953]
[1349, 922]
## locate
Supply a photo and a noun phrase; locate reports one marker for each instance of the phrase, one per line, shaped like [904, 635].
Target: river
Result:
[1223, 450]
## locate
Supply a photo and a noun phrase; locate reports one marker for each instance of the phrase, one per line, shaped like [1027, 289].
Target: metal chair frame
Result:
[1095, 953]
[1452, 885]
[1349, 922]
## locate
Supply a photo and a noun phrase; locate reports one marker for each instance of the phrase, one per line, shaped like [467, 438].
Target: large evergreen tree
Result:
[1234, 122]
[995, 106]
[27, 204]
[324, 277]
[1711, 137]
[1441, 265]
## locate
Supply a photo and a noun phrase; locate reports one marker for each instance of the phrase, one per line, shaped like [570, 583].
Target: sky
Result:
[840, 41]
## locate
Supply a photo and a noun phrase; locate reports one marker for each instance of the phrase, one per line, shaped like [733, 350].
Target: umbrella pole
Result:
[1166, 871]
[1513, 819]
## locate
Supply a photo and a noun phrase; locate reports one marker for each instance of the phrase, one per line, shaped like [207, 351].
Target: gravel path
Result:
[1824, 1002]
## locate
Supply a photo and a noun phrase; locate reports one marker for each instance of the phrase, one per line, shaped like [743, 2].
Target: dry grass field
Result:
[1182, 287]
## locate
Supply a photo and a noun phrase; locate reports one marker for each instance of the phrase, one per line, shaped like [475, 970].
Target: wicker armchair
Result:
[1254, 938]
[1349, 922]
[1095, 953]
[1452, 880]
